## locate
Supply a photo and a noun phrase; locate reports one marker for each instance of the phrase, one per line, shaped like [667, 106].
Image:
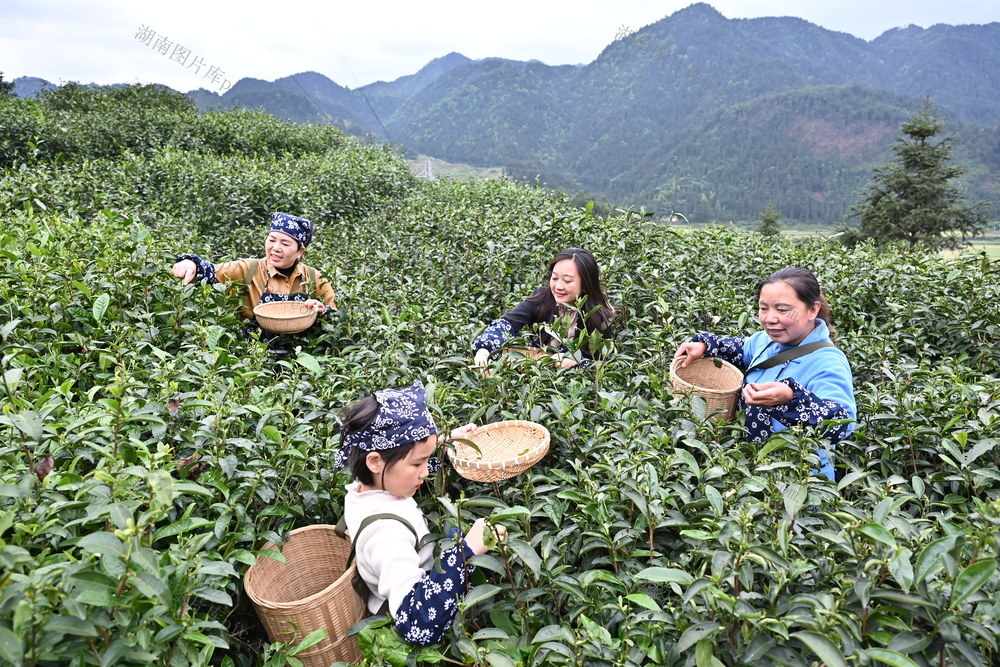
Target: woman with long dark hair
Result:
[574, 283]
[794, 374]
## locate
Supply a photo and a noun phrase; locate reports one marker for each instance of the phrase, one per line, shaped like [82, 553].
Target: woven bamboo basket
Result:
[311, 590]
[284, 317]
[715, 380]
[505, 449]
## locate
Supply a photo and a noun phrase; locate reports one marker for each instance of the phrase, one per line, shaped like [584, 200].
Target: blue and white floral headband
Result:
[403, 417]
[299, 229]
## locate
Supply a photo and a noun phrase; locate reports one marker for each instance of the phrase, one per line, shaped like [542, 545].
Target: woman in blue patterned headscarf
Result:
[278, 276]
[388, 442]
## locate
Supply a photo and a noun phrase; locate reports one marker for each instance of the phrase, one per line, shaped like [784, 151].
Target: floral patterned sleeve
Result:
[204, 268]
[495, 335]
[428, 610]
[809, 409]
[506, 327]
[727, 349]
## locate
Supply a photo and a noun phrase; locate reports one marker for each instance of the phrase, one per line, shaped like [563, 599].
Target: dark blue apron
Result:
[279, 344]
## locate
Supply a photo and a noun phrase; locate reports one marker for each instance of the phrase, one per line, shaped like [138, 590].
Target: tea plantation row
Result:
[147, 450]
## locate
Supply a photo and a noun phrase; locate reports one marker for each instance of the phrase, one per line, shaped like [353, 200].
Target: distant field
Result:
[452, 170]
[989, 242]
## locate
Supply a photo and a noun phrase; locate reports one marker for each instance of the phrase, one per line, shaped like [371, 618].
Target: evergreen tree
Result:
[6, 87]
[768, 221]
[912, 198]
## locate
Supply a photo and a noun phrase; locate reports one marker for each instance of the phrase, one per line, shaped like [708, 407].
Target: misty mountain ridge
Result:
[695, 113]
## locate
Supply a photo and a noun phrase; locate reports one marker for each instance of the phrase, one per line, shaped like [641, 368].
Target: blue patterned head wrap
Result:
[299, 229]
[403, 417]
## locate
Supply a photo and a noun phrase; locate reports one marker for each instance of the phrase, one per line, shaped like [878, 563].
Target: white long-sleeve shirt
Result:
[386, 551]
[422, 599]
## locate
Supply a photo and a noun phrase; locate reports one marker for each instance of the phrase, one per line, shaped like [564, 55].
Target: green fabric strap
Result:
[251, 272]
[788, 355]
[341, 529]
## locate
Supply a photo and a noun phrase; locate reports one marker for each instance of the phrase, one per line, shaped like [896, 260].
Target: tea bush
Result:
[147, 451]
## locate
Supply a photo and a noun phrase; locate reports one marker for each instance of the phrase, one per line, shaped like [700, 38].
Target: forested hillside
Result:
[651, 121]
[148, 451]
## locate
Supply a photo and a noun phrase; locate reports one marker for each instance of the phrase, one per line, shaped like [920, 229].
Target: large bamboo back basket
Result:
[311, 590]
[715, 380]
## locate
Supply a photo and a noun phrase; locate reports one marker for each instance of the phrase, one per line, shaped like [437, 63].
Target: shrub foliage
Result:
[147, 451]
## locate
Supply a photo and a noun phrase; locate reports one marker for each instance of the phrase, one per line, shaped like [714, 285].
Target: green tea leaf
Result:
[70, 625]
[11, 648]
[902, 570]
[795, 498]
[889, 657]
[100, 307]
[313, 638]
[695, 633]
[643, 600]
[551, 633]
[971, 579]
[214, 334]
[493, 658]
[929, 560]
[665, 575]
[152, 587]
[714, 499]
[526, 553]
[184, 525]
[27, 422]
[480, 593]
[769, 554]
[824, 649]
[508, 513]
[103, 544]
[12, 376]
[771, 445]
[704, 654]
[878, 533]
[309, 362]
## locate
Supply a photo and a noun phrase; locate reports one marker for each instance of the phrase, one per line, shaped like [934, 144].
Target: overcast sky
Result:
[206, 44]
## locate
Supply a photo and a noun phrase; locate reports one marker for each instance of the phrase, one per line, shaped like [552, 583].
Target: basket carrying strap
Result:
[251, 272]
[341, 529]
[788, 355]
[312, 283]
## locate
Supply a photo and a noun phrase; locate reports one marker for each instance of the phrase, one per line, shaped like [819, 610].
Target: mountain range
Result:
[696, 113]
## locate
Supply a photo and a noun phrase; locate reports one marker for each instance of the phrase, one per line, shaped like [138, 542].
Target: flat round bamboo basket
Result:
[284, 316]
[505, 449]
[715, 380]
[311, 589]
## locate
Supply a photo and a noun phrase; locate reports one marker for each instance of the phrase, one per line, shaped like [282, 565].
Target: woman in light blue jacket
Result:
[810, 383]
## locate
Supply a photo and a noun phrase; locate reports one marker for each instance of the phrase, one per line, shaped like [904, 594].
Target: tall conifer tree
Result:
[913, 198]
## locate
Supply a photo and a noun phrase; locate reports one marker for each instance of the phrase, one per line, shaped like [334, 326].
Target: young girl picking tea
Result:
[388, 442]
